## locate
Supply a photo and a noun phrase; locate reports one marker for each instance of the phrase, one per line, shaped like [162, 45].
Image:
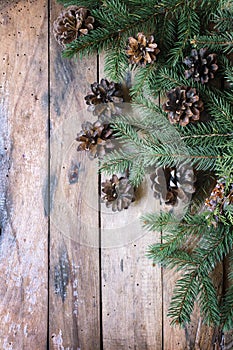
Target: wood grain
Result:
[74, 251]
[131, 285]
[23, 114]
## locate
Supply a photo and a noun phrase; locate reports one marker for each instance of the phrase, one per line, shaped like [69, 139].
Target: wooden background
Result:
[74, 275]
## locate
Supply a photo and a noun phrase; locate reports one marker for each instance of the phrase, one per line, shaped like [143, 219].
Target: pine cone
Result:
[95, 138]
[183, 105]
[105, 99]
[142, 50]
[201, 65]
[172, 185]
[117, 193]
[219, 197]
[72, 22]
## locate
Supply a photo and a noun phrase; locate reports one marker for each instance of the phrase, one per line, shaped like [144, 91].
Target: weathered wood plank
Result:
[74, 253]
[131, 285]
[23, 119]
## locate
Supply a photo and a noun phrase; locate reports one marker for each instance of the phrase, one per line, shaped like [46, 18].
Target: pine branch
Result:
[213, 247]
[183, 299]
[227, 310]
[116, 63]
[188, 27]
[215, 42]
[114, 26]
[143, 80]
[208, 301]
[223, 20]
[87, 3]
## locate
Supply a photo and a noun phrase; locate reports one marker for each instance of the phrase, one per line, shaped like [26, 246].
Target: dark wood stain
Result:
[62, 275]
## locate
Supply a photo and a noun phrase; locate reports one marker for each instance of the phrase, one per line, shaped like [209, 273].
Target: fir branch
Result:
[188, 27]
[168, 78]
[208, 301]
[103, 38]
[96, 41]
[143, 79]
[184, 296]
[227, 310]
[212, 248]
[206, 133]
[115, 162]
[223, 20]
[116, 63]
[215, 42]
[91, 4]
[137, 174]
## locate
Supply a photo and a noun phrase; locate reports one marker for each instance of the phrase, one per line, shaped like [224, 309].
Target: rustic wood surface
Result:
[24, 225]
[74, 275]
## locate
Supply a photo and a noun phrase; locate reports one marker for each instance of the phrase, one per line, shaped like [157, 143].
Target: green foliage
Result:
[197, 242]
[86, 3]
[196, 261]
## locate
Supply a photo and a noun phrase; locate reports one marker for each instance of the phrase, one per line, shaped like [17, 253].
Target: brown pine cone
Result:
[142, 50]
[95, 138]
[72, 22]
[183, 105]
[172, 185]
[201, 65]
[117, 193]
[220, 197]
[105, 99]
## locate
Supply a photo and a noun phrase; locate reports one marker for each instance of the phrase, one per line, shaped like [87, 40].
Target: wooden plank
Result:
[23, 119]
[74, 253]
[131, 285]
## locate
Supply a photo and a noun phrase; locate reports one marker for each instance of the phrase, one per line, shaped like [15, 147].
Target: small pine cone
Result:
[95, 138]
[201, 65]
[172, 185]
[117, 193]
[105, 100]
[183, 105]
[72, 22]
[219, 197]
[142, 50]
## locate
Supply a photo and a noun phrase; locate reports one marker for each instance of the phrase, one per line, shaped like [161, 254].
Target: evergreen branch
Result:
[91, 4]
[218, 107]
[168, 222]
[212, 248]
[208, 301]
[188, 27]
[96, 41]
[101, 39]
[183, 299]
[115, 162]
[137, 174]
[223, 20]
[142, 79]
[227, 310]
[116, 63]
[222, 42]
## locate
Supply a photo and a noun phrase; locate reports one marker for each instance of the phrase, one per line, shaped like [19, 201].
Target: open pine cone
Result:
[95, 138]
[201, 65]
[117, 193]
[105, 99]
[72, 22]
[220, 197]
[183, 105]
[172, 185]
[142, 50]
